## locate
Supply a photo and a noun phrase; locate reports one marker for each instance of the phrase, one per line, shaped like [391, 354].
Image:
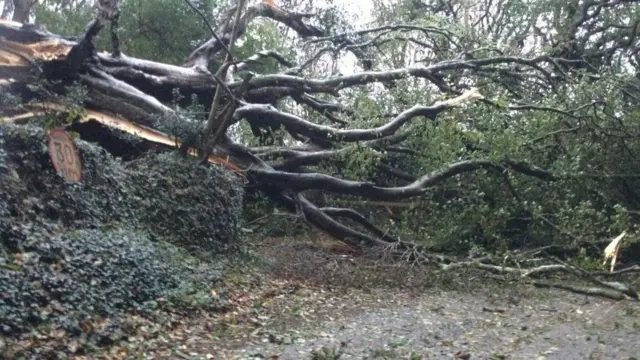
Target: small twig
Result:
[628, 270]
[544, 269]
[493, 310]
[226, 89]
[611, 290]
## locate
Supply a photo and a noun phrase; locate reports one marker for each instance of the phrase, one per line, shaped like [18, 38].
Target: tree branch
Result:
[301, 182]
[295, 124]
[211, 29]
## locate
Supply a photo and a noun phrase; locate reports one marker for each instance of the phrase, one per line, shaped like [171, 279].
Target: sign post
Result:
[64, 156]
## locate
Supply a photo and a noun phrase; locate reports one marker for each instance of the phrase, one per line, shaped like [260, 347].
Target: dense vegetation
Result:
[128, 236]
[548, 156]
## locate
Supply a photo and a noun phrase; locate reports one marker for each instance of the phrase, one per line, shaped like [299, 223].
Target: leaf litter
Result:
[268, 315]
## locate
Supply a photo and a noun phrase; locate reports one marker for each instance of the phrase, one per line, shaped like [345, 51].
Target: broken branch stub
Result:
[84, 49]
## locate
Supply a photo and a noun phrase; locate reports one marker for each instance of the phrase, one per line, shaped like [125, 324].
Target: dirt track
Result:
[553, 325]
[481, 318]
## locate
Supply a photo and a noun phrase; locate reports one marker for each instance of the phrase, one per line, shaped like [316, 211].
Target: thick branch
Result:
[360, 219]
[298, 125]
[301, 182]
[325, 222]
[216, 121]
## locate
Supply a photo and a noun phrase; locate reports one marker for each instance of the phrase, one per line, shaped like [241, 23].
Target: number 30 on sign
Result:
[64, 156]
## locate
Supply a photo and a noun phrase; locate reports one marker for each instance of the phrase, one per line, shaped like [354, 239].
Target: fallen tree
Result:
[137, 112]
[131, 94]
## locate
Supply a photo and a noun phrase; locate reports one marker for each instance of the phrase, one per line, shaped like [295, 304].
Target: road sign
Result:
[64, 156]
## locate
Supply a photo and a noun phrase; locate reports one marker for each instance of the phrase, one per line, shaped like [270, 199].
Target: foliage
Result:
[185, 125]
[72, 103]
[488, 208]
[143, 26]
[156, 193]
[65, 280]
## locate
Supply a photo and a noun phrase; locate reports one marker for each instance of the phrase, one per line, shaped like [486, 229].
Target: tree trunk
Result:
[21, 10]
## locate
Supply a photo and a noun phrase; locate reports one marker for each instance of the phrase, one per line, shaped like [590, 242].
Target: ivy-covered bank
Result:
[130, 235]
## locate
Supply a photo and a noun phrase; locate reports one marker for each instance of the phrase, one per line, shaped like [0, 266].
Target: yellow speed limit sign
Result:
[64, 156]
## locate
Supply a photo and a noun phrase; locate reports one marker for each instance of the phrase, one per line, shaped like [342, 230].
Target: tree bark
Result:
[22, 10]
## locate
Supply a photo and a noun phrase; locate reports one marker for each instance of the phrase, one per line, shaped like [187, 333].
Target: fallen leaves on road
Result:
[166, 333]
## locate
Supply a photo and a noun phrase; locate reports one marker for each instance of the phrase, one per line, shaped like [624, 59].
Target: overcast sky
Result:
[361, 13]
[361, 9]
